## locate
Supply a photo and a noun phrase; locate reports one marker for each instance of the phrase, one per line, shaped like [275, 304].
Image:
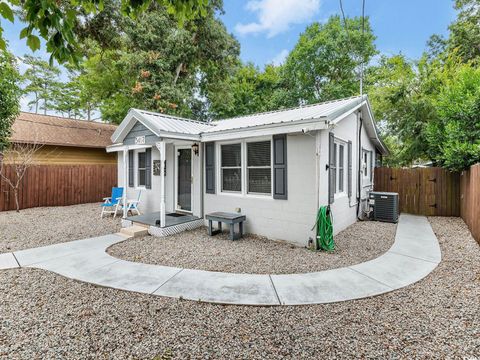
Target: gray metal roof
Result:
[328, 109]
[168, 123]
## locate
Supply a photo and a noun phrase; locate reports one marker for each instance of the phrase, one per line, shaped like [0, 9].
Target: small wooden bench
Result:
[227, 218]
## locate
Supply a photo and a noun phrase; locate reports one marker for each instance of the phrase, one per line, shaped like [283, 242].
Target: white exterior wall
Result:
[290, 220]
[344, 209]
[150, 198]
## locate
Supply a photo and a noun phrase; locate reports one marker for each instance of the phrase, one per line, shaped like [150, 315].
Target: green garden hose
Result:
[324, 229]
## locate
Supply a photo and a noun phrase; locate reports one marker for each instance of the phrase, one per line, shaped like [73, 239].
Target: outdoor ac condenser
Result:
[385, 206]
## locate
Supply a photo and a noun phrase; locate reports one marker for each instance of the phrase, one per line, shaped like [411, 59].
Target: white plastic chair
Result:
[132, 205]
[112, 204]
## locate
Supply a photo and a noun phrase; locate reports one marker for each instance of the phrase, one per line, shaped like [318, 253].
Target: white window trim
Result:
[366, 166]
[254, 140]
[137, 169]
[244, 169]
[343, 193]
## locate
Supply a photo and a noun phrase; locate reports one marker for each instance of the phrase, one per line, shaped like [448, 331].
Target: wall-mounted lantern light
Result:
[195, 148]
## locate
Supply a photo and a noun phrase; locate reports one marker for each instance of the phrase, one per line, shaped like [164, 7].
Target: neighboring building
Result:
[64, 141]
[277, 167]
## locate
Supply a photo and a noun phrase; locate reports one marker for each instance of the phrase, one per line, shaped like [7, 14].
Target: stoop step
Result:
[134, 231]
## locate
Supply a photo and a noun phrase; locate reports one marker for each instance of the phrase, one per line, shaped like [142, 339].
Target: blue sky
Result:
[268, 29]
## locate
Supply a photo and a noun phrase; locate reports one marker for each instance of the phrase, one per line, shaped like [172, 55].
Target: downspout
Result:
[359, 168]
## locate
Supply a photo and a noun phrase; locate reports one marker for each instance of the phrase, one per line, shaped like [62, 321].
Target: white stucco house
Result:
[277, 168]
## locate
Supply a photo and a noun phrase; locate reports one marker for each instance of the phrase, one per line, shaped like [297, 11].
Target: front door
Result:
[184, 179]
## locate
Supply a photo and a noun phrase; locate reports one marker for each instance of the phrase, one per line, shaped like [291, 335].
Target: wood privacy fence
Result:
[59, 185]
[470, 199]
[422, 191]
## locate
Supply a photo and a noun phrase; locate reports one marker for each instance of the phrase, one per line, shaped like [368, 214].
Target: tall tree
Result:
[465, 30]
[42, 83]
[325, 62]
[160, 66]
[9, 96]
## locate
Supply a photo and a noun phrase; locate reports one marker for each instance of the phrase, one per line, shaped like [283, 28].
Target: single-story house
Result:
[277, 167]
[64, 141]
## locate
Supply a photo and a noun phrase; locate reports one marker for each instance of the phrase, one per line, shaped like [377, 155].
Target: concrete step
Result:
[134, 231]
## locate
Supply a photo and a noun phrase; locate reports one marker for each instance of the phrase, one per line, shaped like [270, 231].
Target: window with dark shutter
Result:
[259, 167]
[131, 169]
[231, 167]
[280, 184]
[210, 168]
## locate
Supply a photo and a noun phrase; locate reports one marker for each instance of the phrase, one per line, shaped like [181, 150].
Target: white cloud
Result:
[276, 16]
[279, 59]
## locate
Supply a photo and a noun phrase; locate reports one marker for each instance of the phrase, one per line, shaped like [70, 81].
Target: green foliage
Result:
[56, 21]
[465, 30]
[42, 83]
[454, 136]
[160, 66]
[9, 96]
[325, 63]
[249, 90]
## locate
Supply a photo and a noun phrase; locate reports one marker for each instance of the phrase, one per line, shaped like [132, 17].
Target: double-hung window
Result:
[339, 161]
[231, 167]
[141, 168]
[259, 167]
[341, 168]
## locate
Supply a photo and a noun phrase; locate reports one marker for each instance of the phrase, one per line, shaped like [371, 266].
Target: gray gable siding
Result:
[140, 130]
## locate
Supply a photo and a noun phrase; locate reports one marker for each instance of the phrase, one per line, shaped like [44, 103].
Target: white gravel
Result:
[43, 315]
[49, 225]
[196, 250]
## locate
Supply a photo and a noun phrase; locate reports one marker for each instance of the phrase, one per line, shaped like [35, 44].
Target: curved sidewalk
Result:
[414, 255]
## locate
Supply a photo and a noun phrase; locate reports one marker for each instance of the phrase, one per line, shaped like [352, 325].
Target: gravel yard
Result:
[48, 225]
[252, 254]
[48, 316]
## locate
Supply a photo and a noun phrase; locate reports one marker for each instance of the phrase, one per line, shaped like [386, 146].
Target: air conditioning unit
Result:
[383, 206]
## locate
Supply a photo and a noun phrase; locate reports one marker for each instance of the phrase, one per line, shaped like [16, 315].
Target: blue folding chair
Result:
[112, 204]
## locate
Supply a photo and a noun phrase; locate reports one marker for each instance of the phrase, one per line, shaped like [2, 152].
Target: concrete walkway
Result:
[414, 255]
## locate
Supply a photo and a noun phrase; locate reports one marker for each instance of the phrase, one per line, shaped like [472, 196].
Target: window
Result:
[340, 167]
[231, 167]
[259, 167]
[365, 164]
[141, 169]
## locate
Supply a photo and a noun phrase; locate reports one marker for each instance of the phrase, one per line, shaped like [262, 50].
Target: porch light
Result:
[195, 148]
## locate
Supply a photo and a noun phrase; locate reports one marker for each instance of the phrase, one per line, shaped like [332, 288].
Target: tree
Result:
[42, 82]
[56, 21]
[465, 30]
[454, 137]
[159, 66]
[20, 157]
[9, 96]
[325, 62]
[249, 90]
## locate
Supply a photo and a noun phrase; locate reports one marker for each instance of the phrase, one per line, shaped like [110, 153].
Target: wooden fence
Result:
[422, 191]
[470, 199]
[59, 185]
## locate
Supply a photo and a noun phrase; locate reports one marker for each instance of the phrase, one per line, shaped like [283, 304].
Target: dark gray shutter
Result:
[148, 168]
[371, 165]
[210, 167]
[331, 168]
[280, 186]
[350, 172]
[131, 182]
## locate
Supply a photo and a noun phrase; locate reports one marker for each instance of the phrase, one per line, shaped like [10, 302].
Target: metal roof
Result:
[329, 109]
[168, 123]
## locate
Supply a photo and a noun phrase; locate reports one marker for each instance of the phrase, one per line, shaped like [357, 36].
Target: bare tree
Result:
[20, 157]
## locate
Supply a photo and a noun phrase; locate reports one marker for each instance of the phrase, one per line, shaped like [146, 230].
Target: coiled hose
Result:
[324, 229]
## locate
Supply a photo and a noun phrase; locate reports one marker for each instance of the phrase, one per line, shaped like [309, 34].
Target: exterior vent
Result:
[385, 206]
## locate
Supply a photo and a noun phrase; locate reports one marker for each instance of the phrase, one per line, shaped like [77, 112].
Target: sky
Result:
[268, 29]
